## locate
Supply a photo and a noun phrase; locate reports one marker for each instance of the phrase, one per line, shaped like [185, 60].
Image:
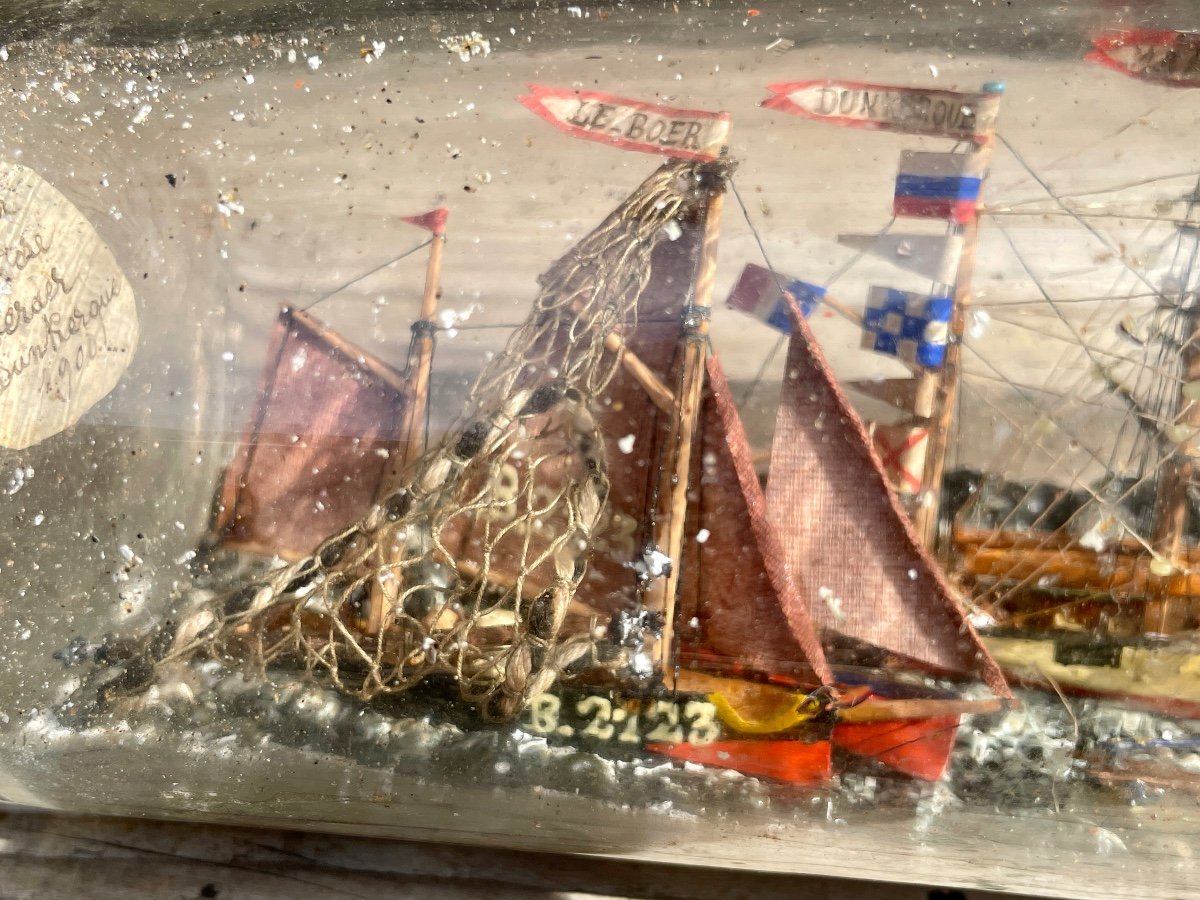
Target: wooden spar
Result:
[660, 394]
[891, 710]
[672, 494]
[1127, 576]
[846, 312]
[947, 377]
[412, 431]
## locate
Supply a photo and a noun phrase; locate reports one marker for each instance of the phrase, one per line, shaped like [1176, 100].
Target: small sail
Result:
[845, 537]
[934, 256]
[329, 416]
[739, 611]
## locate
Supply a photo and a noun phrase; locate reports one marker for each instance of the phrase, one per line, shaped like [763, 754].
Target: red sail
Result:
[846, 539]
[739, 612]
[329, 415]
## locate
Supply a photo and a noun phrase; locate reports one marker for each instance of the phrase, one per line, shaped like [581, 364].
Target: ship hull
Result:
[1163, 679]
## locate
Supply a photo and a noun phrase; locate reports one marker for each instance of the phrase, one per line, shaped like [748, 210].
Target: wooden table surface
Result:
[49, 856]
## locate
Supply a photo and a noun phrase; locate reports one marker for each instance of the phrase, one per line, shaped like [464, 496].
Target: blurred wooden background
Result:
[48, 856]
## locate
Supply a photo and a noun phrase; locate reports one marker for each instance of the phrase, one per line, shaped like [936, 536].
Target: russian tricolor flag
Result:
[757, 292]
[939, 185]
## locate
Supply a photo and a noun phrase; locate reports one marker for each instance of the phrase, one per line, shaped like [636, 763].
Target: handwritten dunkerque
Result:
[909, 110]
[68, 319]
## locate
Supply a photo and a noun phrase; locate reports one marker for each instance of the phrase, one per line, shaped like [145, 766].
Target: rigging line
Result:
[1069, 395]
[1088, 351]
[829, 282]
[1035, 407]
[1166, 396]
[1037, 573]
[1038, 446]
[484, 326]
[1076, 153]
[1079, 216]
[748, 393]
[1099, 298]
[857, 258]
[1131, 184]
[356, 280]
[1164, 373]
[1030, 489]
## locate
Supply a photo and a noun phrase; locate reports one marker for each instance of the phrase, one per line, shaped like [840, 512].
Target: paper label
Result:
[68, 319]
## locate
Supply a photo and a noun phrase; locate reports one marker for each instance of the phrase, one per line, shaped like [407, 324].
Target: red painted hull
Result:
[917, 747]
[789, 761]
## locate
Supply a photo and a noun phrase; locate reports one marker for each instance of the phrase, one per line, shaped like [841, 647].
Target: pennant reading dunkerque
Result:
[631, 124]
[68, 320]
[910, 110]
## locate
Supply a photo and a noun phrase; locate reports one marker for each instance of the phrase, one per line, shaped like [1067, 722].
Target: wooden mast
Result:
[412, 428]
[420, 361]
[946, 379]
[1166, 613]
[670, 509]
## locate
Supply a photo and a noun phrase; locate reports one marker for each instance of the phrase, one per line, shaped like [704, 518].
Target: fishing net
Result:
[470, 570]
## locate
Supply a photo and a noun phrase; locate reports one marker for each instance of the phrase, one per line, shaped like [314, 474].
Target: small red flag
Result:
[434, 220]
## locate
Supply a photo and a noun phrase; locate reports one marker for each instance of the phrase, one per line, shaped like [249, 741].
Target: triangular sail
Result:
[327, 420]
[845, 537]
[739, 612]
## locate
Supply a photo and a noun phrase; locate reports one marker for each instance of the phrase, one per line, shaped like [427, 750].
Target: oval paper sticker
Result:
[68, 320]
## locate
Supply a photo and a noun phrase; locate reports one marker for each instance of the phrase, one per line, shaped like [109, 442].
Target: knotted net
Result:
[470, 570]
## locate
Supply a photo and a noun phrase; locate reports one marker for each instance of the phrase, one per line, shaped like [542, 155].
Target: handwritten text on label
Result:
[910, 110]
[68, 321]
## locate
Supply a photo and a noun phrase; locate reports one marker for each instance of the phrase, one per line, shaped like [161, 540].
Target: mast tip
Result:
[993, 87]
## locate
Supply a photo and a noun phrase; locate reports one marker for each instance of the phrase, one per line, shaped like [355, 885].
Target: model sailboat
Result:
[1090, 573]
[591, 551]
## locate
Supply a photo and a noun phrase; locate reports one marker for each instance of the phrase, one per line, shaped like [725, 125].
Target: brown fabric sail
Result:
[739, 612]
[846, 539]
[328, 416]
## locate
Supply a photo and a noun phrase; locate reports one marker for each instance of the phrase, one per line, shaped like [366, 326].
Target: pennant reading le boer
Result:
[910, 110]
[631, 124]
